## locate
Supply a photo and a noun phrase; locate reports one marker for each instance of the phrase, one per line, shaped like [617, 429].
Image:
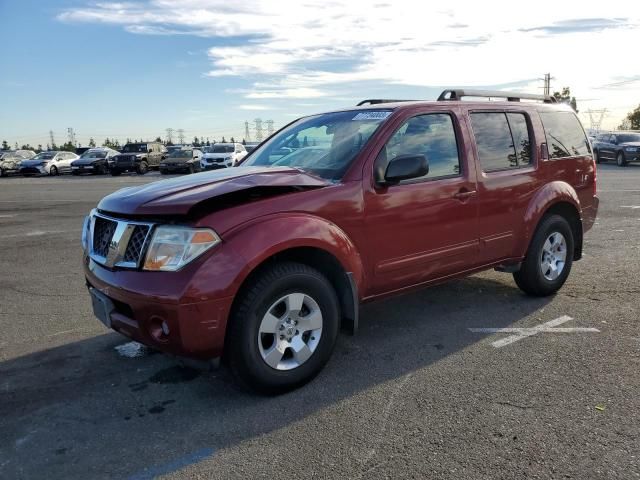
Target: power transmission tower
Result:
[247, 135]
[595, 118]
[181, 136]
[258, 122]
[169, 135]
[269, 127]
[53, 142]
[72, 136]
[547, 83]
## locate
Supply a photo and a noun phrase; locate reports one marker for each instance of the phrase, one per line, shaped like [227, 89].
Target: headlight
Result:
[172, 247]
[85, 232]
[629, 149]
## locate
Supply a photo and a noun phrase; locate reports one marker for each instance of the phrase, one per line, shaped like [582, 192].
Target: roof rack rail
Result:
[457, 94]
[375, 101]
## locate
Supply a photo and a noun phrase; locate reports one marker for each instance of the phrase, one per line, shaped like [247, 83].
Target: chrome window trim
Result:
[119, 241]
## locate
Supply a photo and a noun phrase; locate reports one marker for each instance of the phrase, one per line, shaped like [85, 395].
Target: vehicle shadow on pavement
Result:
[83, 411]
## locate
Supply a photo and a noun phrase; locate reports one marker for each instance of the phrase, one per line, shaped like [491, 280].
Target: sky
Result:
[134, 69]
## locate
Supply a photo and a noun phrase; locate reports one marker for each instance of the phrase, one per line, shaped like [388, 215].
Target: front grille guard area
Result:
[117, 243]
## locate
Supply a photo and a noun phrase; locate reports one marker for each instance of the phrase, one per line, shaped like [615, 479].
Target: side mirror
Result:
[406, 167]
[614, 140]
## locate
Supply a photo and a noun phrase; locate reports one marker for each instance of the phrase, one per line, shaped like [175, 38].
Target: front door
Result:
[424, 228]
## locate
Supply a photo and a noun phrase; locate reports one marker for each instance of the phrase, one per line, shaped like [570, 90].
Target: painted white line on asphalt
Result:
[7, 216]
[36, 233]
[634, 207]
[520, 333]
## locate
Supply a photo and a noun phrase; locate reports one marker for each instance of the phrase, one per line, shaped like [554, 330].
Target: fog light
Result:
[159, 329]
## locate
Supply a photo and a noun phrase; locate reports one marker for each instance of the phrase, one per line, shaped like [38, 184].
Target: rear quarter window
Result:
[565, 136]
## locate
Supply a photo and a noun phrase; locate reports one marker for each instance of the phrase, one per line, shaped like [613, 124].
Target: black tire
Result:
[115, 173]
[101, 170]
[142, 168]
[53, 171]
[530, 278]
[3, 173]
[242, 353]
[163, 172]
[190, 170]
[596, 156]
[75, 174]
[621, 160]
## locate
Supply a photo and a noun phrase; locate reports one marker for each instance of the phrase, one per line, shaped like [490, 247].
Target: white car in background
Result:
[48, 163]
[222, 155]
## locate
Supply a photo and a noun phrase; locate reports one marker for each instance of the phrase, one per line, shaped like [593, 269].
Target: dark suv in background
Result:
[623, 147]
[138, 157]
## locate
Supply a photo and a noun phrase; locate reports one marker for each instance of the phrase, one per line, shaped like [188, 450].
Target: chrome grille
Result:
[136, 243]
[103, 231]
[116, 242]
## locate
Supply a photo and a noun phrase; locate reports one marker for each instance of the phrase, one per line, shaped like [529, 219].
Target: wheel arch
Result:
[556, 198]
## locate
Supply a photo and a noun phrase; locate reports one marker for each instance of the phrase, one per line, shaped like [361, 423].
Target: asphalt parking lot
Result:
[418, 393]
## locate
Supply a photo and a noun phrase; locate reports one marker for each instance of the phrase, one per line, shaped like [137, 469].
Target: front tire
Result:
[115, 173]
[549, 258]
[283, 328]
[53, 171]
[142, 168]
[596, 156]
[621, 160]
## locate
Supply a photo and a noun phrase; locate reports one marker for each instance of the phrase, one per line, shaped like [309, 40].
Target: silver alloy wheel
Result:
[290, 331]
[553, 256]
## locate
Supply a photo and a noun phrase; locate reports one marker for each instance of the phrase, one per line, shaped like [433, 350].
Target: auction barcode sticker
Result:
[371, 116]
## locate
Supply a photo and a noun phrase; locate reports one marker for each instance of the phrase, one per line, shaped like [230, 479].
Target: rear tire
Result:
[53, 171]
[549, 258]
[621, 160]
[115, 173]
[283, 328]
[596, 156]
[190, 170]
[143, 167]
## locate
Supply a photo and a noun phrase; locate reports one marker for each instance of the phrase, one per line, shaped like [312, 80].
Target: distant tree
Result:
[233, 140]
[39, 149]
[208, 143]
[565, 97]
[67, 147]
[244, 142]
[158, 139]
[631, 121]
[92, 142]
[305, 142]
[16, 146]
[26, 147]
[196, 142]
[223, 140]
[5, 145]
[128, 140]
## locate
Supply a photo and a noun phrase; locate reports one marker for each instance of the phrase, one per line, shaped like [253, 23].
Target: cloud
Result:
[313, 49]
[580, 25]
[255, 107]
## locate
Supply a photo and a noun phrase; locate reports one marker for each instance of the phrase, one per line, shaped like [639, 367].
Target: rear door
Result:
[507, 178]
[425, 228]
[607, 149]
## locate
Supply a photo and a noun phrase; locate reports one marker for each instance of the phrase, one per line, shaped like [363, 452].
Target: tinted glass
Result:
[520, 134]
[565, 137]
[44, 156]
[134, 148]
[494, 142]
[629, 137]
[181, 154]
[222, 149]
[431, 135]
[342, 134]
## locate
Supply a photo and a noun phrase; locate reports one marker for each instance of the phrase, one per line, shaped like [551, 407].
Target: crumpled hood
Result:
[177, 196]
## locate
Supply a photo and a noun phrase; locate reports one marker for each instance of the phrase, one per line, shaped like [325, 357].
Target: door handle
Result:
[463, 195]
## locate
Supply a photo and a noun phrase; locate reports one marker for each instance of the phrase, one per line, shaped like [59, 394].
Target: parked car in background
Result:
[623, 147]
[250, 146]
[223, 155]
[262, 264]
[10, 160]
[185, 160]
[138, 157]
[48, 163]
[94, 160]
[81, 150]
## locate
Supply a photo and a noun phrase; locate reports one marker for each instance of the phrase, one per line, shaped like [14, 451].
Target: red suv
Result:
[261, 264]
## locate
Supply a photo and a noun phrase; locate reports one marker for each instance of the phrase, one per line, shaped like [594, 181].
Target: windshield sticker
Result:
[371, 116]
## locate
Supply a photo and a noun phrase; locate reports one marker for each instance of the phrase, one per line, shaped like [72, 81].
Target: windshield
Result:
[181, 154]
[324, 145]
[44, 156]
[222, 149]
[629, 137]
[91, 154]
[134, 148]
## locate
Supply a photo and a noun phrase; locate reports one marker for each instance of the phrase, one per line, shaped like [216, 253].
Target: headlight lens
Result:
[172, 247]
[85, 232]
[630, 149]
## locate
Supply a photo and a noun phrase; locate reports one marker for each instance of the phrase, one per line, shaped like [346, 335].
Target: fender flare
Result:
[550, 194]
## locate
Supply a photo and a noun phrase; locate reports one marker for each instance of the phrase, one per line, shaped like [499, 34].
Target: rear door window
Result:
[565, 136]
[502, 140]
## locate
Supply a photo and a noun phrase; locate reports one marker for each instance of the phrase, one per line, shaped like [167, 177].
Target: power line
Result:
[258, 122]
[180, 135]
[247, 134]
[71, 136]
[169, 135]
[269, 127]
[595, 118]
[51, 138]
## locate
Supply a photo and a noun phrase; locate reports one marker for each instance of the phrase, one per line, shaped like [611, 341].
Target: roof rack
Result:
[375, 101]
[457, 94]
